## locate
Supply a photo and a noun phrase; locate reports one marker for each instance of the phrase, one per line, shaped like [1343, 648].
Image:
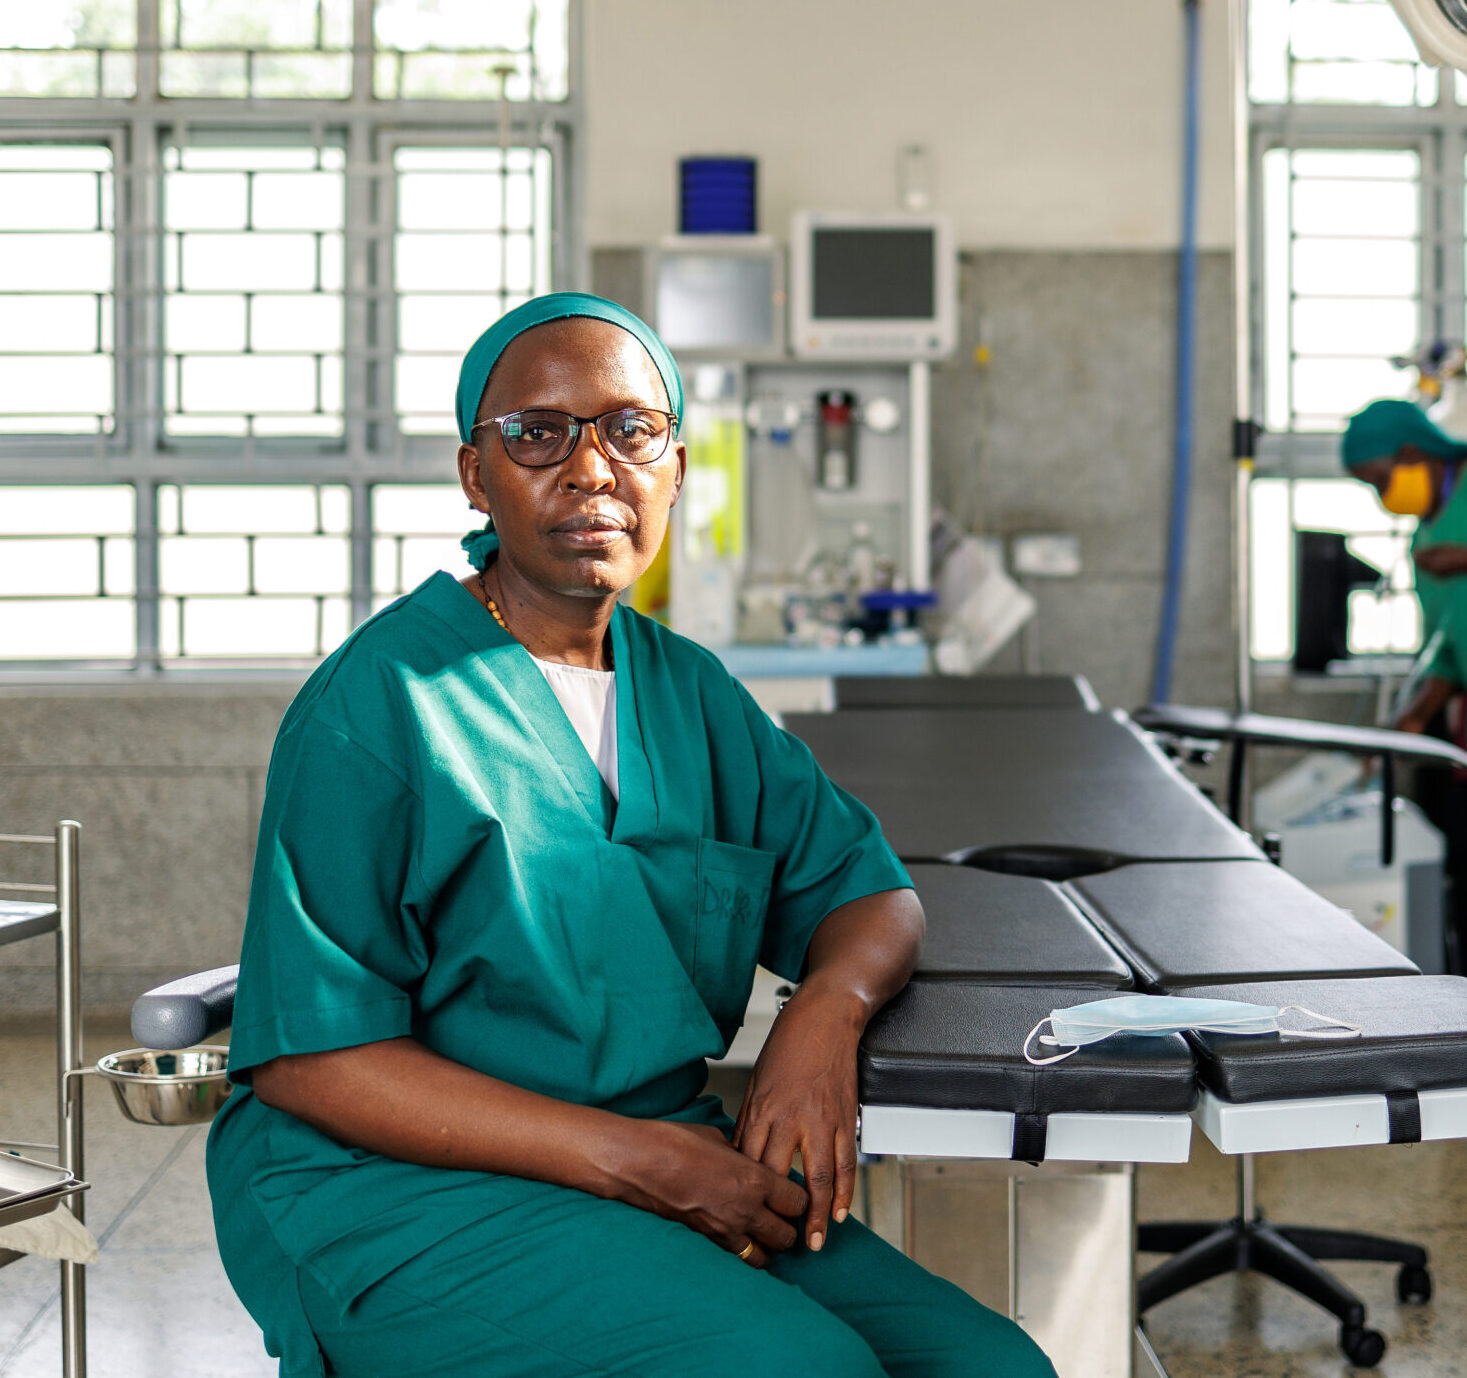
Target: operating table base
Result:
[1287, 1253]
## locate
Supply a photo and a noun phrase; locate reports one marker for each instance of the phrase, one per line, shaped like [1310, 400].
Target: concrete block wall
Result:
[166, 781]
[1068, 428]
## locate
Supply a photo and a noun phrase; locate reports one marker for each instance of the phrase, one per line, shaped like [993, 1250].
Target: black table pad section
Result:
[965, 691]
[1009, 928]
[958, 1046]
[946, 780]
[1262, 730]
[26, 919]
[1414, 1039]
[1182, 925]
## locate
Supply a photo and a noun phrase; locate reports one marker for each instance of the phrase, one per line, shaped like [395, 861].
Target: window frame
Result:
[1437, 133]
[371, 449]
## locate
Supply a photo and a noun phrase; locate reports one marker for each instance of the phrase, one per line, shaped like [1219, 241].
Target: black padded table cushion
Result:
[945, 780]
[1414, 1038]
[965, 691]
[1009, 928]
[958, 1045]
[1182, 925]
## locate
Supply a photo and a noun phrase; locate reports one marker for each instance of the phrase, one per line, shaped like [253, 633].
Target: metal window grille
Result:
[243, 244]
[1358, 160]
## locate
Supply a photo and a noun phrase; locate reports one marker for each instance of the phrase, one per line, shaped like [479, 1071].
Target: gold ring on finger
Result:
[747, 1251]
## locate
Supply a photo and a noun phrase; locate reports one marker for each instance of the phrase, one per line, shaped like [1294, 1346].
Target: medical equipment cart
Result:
[28, 1188]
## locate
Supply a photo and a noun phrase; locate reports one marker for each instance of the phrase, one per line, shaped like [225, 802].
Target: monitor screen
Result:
[873, 273]
[716, 301]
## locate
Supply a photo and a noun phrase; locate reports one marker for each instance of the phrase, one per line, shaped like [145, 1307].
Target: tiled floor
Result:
[159, 1305]
[1246, 1327]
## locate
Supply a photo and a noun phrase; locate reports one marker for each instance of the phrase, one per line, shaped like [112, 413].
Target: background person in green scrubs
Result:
[520, 852]
[1416, 470]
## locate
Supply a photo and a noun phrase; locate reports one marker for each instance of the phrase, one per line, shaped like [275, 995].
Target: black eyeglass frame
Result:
[574, 436]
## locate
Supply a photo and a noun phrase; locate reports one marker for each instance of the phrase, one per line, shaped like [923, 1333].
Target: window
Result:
[57, 252]
[1359, 154]
[469, 50]
[1385, 619]
[1342, 259]
[67, 572]
[1334, 52]
[243, 245]
[253, 290]
[466, 251]
[255, 48]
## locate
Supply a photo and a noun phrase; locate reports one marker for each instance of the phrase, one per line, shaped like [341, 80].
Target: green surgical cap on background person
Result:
[484, 353]
[1379, 430]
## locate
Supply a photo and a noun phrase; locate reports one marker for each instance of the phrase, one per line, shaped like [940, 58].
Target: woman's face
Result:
[588, 526]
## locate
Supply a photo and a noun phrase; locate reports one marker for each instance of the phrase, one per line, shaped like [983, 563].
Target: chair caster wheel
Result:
[1413, 1285]
[1362, 1347]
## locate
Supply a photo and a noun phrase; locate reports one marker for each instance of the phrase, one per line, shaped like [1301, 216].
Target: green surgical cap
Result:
[1380, 429]
[484, 353]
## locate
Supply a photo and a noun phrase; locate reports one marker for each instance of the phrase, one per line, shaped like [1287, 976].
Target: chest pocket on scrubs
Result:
[732, 898]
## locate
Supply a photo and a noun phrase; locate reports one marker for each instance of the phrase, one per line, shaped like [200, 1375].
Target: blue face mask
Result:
[1078, 1025]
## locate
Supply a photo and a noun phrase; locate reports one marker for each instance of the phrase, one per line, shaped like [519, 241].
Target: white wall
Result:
[1051, 123]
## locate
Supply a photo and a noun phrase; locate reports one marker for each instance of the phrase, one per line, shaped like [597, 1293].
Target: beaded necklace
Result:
[492, 605]
[499, 616]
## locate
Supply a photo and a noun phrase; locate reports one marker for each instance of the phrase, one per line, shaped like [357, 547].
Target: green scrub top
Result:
[1444, 601]
[439, 857]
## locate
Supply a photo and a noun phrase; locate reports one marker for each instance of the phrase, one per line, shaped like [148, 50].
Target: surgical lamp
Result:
[1439, 29]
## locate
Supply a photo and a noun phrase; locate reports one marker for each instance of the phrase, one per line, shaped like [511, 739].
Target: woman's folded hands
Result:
[691, 1174]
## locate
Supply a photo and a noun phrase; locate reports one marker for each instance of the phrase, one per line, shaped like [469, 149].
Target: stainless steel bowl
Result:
[186, 1087]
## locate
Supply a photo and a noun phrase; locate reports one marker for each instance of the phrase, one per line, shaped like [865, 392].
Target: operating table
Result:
[1062, 857]
[1083, 808]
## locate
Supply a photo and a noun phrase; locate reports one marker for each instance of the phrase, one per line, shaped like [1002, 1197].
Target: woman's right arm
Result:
[401, 1099]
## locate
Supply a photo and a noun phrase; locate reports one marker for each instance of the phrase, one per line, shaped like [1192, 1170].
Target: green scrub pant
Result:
[599, 1287]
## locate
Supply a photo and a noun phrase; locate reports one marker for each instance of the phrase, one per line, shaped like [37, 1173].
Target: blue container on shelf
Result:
[718, 195]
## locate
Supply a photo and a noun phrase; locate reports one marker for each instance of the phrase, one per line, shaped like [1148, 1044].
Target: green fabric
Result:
[480, 545]
[667, 1303]
[1379, 430]
[555, 306]
[439, 857]
[1444, 600]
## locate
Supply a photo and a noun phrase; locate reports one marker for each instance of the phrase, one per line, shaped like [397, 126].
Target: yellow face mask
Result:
[1409, 492]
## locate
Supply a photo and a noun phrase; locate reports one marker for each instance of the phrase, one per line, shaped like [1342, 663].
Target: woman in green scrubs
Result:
[1414, 466]
[521, 850]
[1416, 470]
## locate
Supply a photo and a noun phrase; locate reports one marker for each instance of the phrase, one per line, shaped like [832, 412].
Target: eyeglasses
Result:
[539, 438]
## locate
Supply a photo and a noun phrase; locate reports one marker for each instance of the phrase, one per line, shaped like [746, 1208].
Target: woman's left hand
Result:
[802, 1097]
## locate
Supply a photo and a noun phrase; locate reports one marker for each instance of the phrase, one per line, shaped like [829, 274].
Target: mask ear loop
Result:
[1340, 1029]
[1044, 1061]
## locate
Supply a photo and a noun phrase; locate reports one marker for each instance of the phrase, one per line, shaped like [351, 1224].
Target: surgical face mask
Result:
[1079, 1025]
[1409, 492]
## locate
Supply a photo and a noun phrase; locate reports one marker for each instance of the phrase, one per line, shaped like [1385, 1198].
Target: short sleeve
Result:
[829, 845]
[333, 941]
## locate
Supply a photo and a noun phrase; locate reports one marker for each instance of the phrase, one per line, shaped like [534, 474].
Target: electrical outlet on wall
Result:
[1047, 555]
